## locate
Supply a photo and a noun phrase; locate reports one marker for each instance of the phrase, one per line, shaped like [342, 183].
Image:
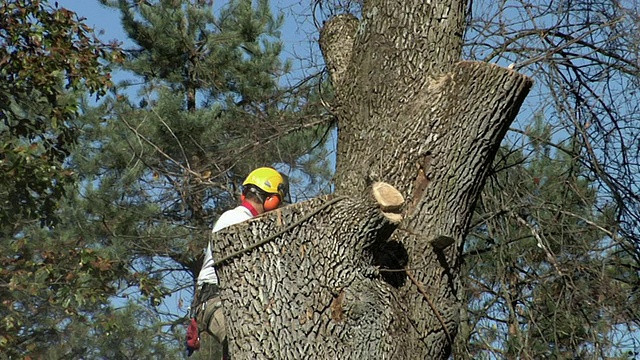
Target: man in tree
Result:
[263, 190]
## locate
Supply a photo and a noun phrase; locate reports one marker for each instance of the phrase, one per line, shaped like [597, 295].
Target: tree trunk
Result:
[350, 281]
[296, 284]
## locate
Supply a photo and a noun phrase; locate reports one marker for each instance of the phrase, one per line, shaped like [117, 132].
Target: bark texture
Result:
[412, 115]
[306, 292]
[349, 281]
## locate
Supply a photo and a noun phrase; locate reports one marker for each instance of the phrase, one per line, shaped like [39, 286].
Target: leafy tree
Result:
[49, 281]
[555, 228]
[46, 54]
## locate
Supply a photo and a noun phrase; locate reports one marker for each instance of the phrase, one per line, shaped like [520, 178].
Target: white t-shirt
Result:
[228, 218]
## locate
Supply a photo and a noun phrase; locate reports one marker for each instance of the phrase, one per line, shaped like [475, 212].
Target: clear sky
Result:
[98, 16]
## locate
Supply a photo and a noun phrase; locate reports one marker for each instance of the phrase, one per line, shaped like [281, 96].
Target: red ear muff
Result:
[271, 202]
[243, 198]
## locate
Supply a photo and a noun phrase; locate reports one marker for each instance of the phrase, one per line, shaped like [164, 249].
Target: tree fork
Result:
[443, 135]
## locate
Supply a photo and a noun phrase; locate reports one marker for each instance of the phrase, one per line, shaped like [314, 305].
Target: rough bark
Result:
[297, 286]
[412, 115]
[348, 282]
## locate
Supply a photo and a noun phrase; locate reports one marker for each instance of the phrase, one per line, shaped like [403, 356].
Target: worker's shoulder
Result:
[232, 217]
[239, 212]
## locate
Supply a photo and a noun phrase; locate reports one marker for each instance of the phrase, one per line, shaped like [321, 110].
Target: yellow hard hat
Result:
[268, 180]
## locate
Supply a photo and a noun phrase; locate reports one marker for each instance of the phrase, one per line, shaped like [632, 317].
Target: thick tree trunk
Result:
[350, 282]
[296, 284]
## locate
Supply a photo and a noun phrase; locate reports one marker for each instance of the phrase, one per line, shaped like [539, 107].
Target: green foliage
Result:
[53, 282]
[45, 53]
[49, 279]
[115, 334]
[545, 276]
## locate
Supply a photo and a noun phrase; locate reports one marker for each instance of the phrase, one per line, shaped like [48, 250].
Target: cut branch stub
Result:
[308, 291]
[389, 200]
[388, 197]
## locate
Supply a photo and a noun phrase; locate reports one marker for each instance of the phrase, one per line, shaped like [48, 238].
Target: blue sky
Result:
[98, 16]
[299, 34]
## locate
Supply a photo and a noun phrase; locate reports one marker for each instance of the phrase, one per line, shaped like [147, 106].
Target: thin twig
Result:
[431, 305]
[541, 243]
